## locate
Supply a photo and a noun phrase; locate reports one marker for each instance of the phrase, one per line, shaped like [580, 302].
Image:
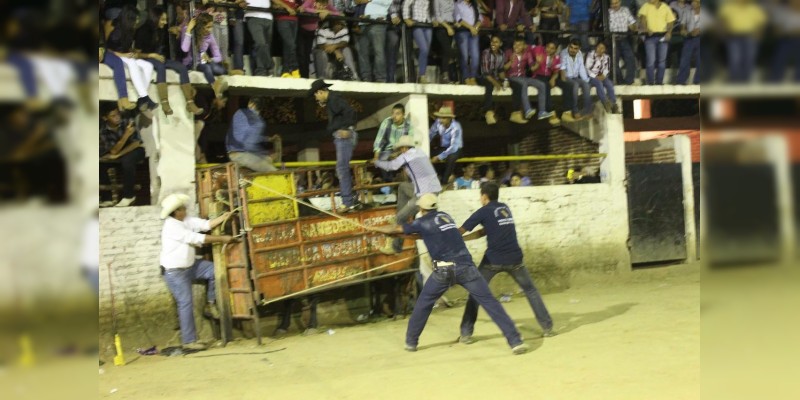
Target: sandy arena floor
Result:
[631, 338]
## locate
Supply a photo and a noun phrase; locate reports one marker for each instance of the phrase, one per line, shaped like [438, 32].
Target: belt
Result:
[443, 264]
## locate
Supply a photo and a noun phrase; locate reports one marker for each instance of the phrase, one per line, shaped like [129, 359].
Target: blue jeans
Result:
[523, 279]
[288, 33]
[691, 50]
[548, 102]
[344, 153]
[118, 73]
[469, 53]
[423, 37]
[605, 89]
[583, 28]
[261, 32]
[742, 51]
[25, 72]
[519, 86]
[238, 41]
[624, 50]
[470, 279]
[572, 85]
[392, 49]
[179, 282]
[654, 49]
[488, 102]
[210, 69]
[371, 41]
[785, 51]
[161, 70]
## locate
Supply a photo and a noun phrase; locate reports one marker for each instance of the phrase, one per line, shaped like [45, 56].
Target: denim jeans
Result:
[450, 166]
[742, 51]
[393, 36]
[27, 77]
[423, 37]
[523, 279]
[370, 45]
[656, 56]
[288, 33]
[117, 68]
[625, 51]
[548, 99]
[470, 279]
[785, 51]
[179, 282]
[488, 102]
[444, 48]
[469, 53]
[691, 50]
[583, 28]
[261, 32]
[305, 44]
[406, 208]
[161, 70]
[210, 69]
[322, 60]
[344, 153]
[519, 86]
[256, 162]
[221, 35]
[573, 84]
[605, 89]
[128, 164]
[238, 41]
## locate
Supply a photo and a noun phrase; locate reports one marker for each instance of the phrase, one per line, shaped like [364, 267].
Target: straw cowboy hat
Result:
[172, 203]
[428, 201]
[404, 141]
[444, 112]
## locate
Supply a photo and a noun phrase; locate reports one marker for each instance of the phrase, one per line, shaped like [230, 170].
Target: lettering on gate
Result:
[332, 274]
[329, 228]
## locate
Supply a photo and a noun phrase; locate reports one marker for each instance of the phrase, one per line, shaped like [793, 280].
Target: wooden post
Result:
[221, 276]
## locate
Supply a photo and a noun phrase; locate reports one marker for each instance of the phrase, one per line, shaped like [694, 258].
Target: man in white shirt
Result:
[575, 76]
[259, 23]
[179, 237]
[332, 45]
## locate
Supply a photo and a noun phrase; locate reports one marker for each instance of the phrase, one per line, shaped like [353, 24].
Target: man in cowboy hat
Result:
[423, 181]
[179, 237]
[451, 139]
[341, 125]
[452, 265]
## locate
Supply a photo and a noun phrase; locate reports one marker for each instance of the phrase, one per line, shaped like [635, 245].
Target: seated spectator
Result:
[519, 62]
[451, 141]
[598, 65]
[120, 141]
[492, 74]
[333, 48]
[487, 173]
[209, 65]
[516, 180]
[466, 179]
[245, 139]
[574, 76]
[549, 62]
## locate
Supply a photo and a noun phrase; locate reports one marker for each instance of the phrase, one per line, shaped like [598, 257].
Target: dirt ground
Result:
[631, 337]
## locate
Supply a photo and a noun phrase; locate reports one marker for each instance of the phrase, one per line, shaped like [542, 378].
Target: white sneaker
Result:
[107, 203]
[126, 202]
[520, 349]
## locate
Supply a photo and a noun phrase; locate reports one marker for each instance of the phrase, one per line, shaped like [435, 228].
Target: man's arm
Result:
[388, 229]
[473, 235]
[220, 219]
[392, 165]
[129, 131]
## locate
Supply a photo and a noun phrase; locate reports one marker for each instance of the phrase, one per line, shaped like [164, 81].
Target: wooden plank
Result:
[221, 277]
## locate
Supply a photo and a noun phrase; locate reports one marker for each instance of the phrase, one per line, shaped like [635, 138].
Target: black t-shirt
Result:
[119, 42]
[148, 38]
[441, 236]
[501, 233]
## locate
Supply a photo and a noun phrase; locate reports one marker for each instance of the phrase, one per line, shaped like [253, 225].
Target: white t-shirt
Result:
[259, 4]
[179, 239]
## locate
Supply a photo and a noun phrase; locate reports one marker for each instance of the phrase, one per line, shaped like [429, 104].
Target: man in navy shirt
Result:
[452, 265]
[503, 254]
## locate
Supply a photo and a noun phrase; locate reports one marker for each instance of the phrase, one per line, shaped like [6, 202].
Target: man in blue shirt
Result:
[245, 139]
[451, 140]
[503, 254]
[452, 265]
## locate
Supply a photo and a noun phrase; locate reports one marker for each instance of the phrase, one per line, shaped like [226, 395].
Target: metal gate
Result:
[656, 214]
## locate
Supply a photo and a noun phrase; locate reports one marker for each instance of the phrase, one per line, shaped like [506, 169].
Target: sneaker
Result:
[548, 333]
[194, 346]
[546, 115]
[567, 116]
[286, 75]
[466, 339]
[126, 202]
[517, 118]
[107, 203]
[411, 348]
[296, 74]
[346, 209]
[388, 248]
[490, 118]
[530, 113]
[521, 348]
[211, 311]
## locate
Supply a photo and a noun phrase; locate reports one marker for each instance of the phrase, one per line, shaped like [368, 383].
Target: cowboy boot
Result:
[125, 104]
[188, 93]
[163, 94]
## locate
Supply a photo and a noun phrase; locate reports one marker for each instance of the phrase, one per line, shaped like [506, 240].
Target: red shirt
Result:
[285, 17]
[519, 63]
[546, 68]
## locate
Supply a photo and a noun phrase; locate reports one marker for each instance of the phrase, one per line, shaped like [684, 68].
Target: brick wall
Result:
[130, 243]
[651, 157]
[556, 141]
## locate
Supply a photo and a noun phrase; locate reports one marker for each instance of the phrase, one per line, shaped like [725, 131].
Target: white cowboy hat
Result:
[404, 141]
[428, 201]
[445, 112]
[172, 203]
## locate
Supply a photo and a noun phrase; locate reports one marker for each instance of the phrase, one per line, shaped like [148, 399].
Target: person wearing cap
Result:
[423, 181]
[451, 139]
[341, 125]
[179, 237]
[503, 254]
[452, 265]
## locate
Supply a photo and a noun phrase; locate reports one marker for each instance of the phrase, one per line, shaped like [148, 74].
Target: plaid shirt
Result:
[443, 10]
[109, 137]
[395, 8]
[492, 64]
[417, 10]
[620, 20]
[519, 64]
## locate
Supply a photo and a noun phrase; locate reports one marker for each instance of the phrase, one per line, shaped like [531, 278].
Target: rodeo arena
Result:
[338, 199]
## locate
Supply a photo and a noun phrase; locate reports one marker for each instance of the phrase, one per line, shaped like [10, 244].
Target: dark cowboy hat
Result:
[317, 85]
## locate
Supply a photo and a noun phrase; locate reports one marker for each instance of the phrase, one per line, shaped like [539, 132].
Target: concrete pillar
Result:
[778, 155]
[683, 156]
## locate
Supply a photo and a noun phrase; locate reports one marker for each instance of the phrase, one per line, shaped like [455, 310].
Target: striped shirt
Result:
[451, 138]
[573, 67]
[491, 63]
[328, 36]
[620, 20]
[258, 4]
[418, 167]
[443, 10]
[597, 65]
[417, 10]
